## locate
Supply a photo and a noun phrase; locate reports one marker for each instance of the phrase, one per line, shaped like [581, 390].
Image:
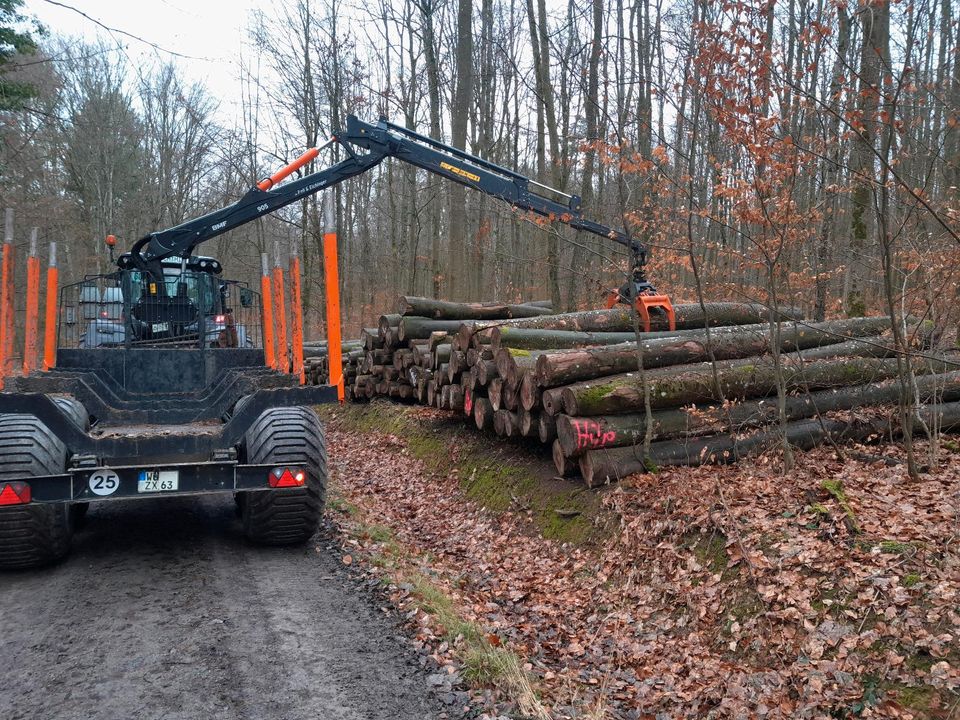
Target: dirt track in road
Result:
[163, 611]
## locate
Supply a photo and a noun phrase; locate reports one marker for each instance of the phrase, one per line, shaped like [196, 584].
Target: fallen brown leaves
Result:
[727, 592]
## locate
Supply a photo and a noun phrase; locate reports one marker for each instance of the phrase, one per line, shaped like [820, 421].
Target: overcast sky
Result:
[210, 33]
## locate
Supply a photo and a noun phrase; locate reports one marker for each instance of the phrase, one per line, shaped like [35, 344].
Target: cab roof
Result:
[195, 263]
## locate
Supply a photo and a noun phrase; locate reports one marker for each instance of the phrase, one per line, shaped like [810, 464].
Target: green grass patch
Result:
[488, 665]
[341, 505]
[494, 474]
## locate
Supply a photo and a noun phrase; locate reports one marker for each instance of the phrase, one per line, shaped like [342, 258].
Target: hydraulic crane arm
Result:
[379, 141]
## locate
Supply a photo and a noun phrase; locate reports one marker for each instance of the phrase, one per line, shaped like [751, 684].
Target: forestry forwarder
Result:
[178, 402]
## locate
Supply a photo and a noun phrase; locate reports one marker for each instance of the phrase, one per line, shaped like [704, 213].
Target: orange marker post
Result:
[32, 323]
[50, 323]
[296, 313]
[332, 281]
[280, 312]
[6, 300]
[269, 354]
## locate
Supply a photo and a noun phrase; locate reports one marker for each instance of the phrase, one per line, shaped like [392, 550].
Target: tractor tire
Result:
[286, 436]
[78, 413]
[75, 409]
[36, 534]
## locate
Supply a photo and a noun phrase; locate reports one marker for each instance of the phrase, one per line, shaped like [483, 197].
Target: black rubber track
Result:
[31, 535]
[286, 436]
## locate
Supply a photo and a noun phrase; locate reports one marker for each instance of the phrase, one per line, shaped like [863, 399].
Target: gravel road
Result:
[163, 611]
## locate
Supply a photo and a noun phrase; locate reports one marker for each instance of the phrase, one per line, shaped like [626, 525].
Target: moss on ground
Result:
[498, 475]
[895, 547]
[834, 488]
[910, 579]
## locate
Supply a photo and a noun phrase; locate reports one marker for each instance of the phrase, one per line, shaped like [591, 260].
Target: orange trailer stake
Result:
[4, 307]
[280, 313]
[269, 353]
[32, 325]
[50, 323]
[297, 317]
[11, 315]
[332, 281]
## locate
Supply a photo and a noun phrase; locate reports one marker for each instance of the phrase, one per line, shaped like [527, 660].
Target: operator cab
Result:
[176, 307]
[190, 302]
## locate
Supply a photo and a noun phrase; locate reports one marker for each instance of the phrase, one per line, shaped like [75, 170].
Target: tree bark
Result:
[562, 368]
[601, 466]
[445, 310]
[686, 385]
[547, 427]
[386, 322]
[420, 328]
[688, 316]
[577, 435]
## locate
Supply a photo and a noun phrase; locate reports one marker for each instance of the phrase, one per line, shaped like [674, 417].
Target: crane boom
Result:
[380, 141]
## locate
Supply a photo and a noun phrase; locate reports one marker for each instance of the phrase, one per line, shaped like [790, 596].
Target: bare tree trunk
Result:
[459, 115]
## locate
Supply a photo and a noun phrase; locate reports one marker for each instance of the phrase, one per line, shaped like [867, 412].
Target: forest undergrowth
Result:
[731, 591]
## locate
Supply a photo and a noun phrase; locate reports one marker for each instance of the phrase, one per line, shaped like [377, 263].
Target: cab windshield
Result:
[197, 286]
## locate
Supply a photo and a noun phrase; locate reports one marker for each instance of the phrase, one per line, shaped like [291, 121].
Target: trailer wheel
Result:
[286, 436]
[36, 534]
[74, 409]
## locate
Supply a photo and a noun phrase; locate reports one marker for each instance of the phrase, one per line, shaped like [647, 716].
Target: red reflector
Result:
[15, 493]
[287, 477]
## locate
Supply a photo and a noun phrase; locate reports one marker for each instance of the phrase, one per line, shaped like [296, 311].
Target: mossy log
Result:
[495, 392]
[688, 385]
[386, 322]
[527, 339]
[482, 413]
[509, 397]
[547, 427]
[601, 466]
[529, 424]
[446, 310]
[562, 368]
[551, 400]
[565, 466]
[529, 392]
[620, 318]
[371, 338]
[420, 328]
[455, 398]
[486, 371]
[501, 420]
[438, 338]
[441, 355]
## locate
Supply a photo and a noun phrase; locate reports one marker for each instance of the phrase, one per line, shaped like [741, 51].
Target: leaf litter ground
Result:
[714, 592]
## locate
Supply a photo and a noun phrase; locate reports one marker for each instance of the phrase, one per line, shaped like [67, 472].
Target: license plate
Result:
[160, 327]
[153, 481]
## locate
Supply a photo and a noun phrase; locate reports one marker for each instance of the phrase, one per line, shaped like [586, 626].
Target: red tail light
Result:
[14, 493]
[287, 477]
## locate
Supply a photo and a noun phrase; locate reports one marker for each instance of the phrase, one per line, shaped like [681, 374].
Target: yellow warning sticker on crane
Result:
[460, 171]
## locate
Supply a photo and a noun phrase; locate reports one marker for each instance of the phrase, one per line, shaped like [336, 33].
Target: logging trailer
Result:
[162, 378]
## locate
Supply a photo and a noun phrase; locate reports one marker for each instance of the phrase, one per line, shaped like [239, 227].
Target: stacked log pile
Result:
[316, 367]
[572, 380]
